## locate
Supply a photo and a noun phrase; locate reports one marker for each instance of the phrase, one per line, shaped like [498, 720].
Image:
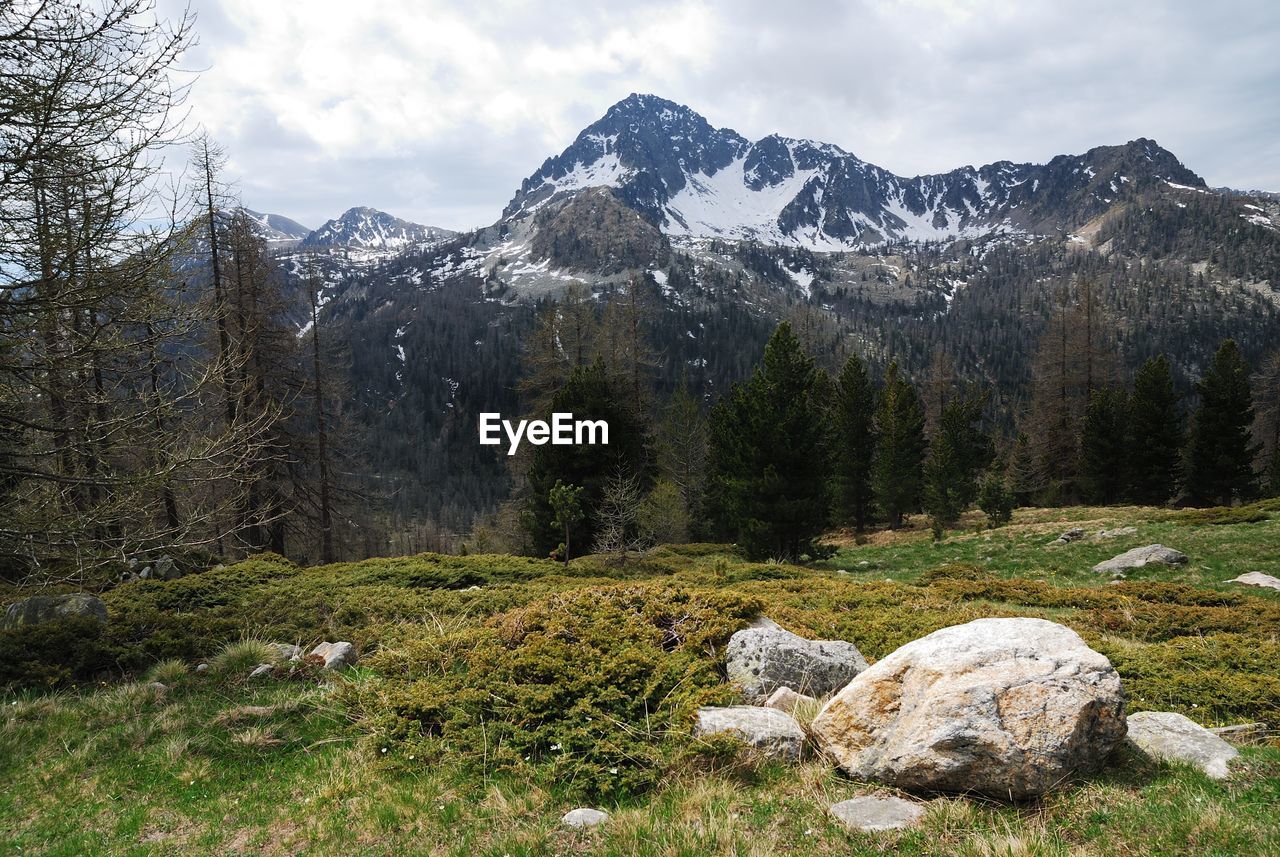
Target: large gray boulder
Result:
[765, 657]
[773, 732]
[1171, 737]
[49, 608]
[875, 813]
[1139, 557]
[1004, 707]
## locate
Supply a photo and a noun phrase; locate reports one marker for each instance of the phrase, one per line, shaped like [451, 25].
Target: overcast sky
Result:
[435, 110]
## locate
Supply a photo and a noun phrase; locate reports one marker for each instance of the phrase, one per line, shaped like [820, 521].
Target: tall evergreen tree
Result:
[960, 423]
[943, 478]
[1153, 461]
[897, 469]
[1221, 452]
[1266, 428]
[769, 455]
[854, 444]
[1104, 447]
[588, 395]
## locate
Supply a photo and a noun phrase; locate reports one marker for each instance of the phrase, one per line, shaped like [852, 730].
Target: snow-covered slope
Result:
[369, 229]
[275, 227]
[691, 179]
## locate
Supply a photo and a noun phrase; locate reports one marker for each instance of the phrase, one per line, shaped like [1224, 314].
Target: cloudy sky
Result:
[435, 110]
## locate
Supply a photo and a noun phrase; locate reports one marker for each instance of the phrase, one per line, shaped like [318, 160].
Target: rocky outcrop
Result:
[1139, 557]
[1171, 737]
[49, 608]
[772, 732]
[1004, 707]
[765, 657]
[875, 813]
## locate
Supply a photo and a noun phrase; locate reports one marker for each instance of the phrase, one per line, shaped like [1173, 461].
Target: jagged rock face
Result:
[690, 179]
[1004, 707]
[368, 228]
[596, 233]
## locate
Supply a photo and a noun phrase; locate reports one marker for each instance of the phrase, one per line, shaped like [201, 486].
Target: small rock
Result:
[1257, 578]
[202, 668]
[286, 651]
[1139, 557]
[584, 817]
[769, 730]
[841, 571]
[1116, 533]
[335, 655]
[864, 563]
[1074, 534]
[145, 574]
[260, 670]
[786, 699]
[1172, 737]
[165, 568]
[764, 657]
[39, 609]
[159, 687]
[877, 813]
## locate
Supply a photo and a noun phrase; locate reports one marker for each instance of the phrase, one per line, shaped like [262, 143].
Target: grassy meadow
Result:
[495, 693]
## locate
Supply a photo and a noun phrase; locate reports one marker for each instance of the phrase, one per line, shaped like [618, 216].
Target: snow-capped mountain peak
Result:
[370, 229]
[691, 179]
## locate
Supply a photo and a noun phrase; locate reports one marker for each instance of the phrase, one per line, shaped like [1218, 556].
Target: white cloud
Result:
[436, 110]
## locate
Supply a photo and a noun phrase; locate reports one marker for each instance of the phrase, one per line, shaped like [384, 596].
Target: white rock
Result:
[1116, 533]
[1139, 557]
[584, 817]
[1172, 737]
[286, 651]
[202, 668]
[773, 732]
[765, 657]
[335, 655]
[260, 670]
[877, 813]
[1004, 707]
[1257, 578]
[786, 699]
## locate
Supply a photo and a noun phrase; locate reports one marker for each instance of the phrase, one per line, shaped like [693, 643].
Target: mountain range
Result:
[719, 237]
[690, 179]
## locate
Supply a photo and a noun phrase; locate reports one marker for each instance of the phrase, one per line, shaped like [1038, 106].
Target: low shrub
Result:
[584, 686]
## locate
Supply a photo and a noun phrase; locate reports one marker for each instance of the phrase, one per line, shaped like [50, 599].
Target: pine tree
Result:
[588, 395]
[943, 475]
[681, 446]
[1221, 452]
[1266, 427]
[960, 422]
[853, 444]
[1025, 482]
[1153, 461]
[769, 455]
[897, 469]
[995, 498]
[1104, 447]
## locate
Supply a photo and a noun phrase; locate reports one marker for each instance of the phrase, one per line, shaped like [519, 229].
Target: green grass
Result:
[479, 716]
